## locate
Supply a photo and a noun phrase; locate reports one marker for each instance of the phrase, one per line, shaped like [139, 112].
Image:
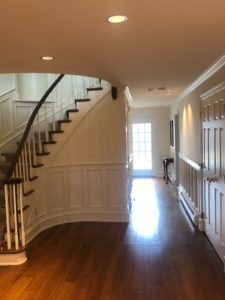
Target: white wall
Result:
[31, 86]
[159, 117]
[7, 83]
[84, 178]
[190, 121]
[190, 126]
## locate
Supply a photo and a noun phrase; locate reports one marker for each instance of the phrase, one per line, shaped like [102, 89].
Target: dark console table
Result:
[166, 162]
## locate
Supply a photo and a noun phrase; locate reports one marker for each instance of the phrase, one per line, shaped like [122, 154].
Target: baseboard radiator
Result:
[190, 188]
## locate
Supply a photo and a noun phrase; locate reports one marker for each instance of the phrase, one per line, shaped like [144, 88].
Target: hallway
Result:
[159, 255]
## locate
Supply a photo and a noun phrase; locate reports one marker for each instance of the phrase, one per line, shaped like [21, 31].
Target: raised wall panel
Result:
[40, 209]
[215, 151]
[217, 211]
[76, 188]
[22, 114]
[115, 188]
[220, 152]
[95, 188]
[56, 191]
[6, 117]
[7, 83]
[222, 221]
[207, 202]
[222, 106]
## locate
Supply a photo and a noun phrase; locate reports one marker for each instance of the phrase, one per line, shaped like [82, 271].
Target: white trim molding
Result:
[202, 78]
[128, 95]
[13, 259]
[188, 205]
[192, 163]
[216, 89]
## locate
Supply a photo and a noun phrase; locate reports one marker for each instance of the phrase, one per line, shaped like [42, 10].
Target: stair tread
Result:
[56, 131]
[28, 193]
[19, 211]
[4, 250]
[72, 110]
[12, 229]
[64, 121]
[42, 153]
[37, 165]
[24, 208]
[33, 178]
[49, 142]
[82, 100]
[95, 89]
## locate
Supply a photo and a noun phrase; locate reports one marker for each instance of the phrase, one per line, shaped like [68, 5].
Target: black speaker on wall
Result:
[114, 92]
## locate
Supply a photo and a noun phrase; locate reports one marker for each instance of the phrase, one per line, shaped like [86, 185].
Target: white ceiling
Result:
[165, 43]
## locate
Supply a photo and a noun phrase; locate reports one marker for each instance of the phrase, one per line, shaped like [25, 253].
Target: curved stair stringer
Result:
[35, 222]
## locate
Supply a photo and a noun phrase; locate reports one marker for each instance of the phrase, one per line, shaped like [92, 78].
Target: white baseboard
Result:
[201, 224]
[52, 221]
[188, 205]
[13, 259]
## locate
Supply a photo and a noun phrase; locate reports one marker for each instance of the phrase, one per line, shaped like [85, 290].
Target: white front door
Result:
[213, 111]
[142, 148]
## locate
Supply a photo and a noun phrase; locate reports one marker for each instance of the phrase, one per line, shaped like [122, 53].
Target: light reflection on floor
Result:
[144, 212]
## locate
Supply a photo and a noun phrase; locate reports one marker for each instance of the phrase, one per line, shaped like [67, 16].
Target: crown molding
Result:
[216, 89]
[128, 95]
[202, 78]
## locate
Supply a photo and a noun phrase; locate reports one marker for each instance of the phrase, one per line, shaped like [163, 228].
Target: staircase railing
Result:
[44, 120]
[29, 125]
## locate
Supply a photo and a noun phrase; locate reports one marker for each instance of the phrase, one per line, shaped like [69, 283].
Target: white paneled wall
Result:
[80, 193]
[75, 188]
[84, 177]
[6, 116]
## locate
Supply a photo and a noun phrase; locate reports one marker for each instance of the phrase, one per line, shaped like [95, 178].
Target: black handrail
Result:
[29, 124]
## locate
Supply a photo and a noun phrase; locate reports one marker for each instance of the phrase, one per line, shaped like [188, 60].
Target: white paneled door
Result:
[213, 118]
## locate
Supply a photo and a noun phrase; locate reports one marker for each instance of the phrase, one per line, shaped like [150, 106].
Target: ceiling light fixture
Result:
[47, 58]
[117, 19]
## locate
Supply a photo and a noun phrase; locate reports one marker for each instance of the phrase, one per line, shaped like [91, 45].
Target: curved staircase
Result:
[18, 169]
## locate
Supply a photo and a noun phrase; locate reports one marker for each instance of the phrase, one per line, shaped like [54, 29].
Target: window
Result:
[142, 146]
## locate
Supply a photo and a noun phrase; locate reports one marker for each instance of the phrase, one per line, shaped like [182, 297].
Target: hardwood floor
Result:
[158, 255]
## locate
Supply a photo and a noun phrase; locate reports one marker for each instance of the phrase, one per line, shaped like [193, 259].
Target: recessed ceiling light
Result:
[117, 19]
[48, 58]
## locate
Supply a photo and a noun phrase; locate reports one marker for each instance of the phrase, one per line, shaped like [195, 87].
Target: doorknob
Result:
[211, 179]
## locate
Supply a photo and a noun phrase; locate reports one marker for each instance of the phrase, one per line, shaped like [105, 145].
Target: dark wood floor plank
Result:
[159, 255]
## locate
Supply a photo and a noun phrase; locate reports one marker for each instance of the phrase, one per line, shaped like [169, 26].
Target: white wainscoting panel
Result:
[6, 117]
[95, 188]
[75, 188]
[74, 193]
[22, 114]
[56, 191]
[115, 184]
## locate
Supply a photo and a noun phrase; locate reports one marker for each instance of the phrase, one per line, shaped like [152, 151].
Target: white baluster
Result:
[53, 116]
[20, 167]
[15, 217]
[34, 147]
[21, 215]
[39, 134]
[46, 122]
[26, 161]
[83, 86]
[8, 232]
[30, 158]
[23, 165]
